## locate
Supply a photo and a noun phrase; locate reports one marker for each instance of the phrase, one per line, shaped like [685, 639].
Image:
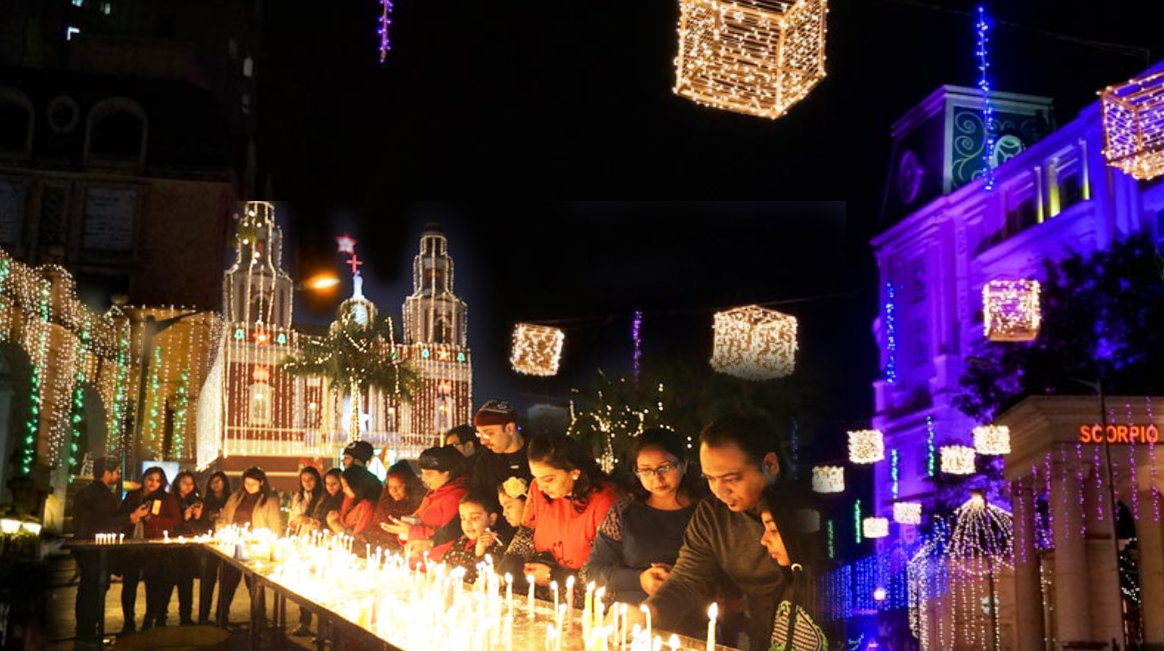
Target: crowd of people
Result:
[674, 539]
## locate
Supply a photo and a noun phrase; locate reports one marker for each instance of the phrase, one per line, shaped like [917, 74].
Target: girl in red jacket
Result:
[165, 515]
[361, 488]
[442, 471]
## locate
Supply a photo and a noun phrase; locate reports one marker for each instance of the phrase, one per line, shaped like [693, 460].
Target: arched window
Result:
[261, 397]
[16, 122]
[116, 133]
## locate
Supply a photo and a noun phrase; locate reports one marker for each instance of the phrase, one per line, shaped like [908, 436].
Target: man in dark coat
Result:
[96, 510]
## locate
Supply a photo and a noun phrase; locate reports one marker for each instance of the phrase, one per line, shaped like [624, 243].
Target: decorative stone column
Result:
[1072, 589]
[1028, 593]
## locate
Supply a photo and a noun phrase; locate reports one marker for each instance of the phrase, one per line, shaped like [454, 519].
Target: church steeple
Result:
[434, 314]
[256, 289]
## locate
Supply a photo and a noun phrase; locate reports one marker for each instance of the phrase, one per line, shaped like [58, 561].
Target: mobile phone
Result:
[156, 507]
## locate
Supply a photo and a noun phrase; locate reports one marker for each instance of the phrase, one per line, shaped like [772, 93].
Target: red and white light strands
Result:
[757, 57]
[1010, 310]
[1133, 126]
[536, 349]
[754, 343]
[866, 446]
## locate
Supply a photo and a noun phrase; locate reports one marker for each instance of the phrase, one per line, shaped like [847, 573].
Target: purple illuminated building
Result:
[947, 235]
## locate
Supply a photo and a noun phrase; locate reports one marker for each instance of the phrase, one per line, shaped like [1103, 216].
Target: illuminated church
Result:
[251, 412]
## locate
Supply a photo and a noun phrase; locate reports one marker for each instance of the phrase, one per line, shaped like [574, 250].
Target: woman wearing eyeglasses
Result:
[637, 544]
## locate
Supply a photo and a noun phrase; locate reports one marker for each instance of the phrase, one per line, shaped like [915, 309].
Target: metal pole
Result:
[1112, 505]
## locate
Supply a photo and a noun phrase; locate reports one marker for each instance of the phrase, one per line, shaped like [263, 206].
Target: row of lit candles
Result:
[423, 607]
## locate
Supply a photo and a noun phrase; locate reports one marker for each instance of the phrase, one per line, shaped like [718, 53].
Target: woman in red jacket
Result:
[361, 488]
[442, 471]
[165, 516]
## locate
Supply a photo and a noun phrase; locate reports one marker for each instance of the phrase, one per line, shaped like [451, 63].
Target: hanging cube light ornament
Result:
[1010, 310]
[1133, 126]
[754, 343]
[875, 527]
[757, 57]
[866, 446]
[828, 479]
[992, 439]
[907, 512]
[536, 349]
[957, 460]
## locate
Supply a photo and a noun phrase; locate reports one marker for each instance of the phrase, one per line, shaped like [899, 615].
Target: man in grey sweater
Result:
[740, 459]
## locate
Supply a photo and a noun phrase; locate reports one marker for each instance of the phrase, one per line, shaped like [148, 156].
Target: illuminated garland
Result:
[155, 392]
[382, 30]
[982, 27]
[78, 409]
[857, 520]
[113, 441]
[831, 539]
[636, 326]
[28, 444]
[181, 401]
[931, 450]
[894, 474]
[890, 333]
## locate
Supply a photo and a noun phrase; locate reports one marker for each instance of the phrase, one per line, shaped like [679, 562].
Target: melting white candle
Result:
[529, 578]
[712, 611]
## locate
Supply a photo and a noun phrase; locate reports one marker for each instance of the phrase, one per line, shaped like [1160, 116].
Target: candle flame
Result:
[713, 610]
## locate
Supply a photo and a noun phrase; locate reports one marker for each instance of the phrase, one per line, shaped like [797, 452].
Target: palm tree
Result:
[357, 356]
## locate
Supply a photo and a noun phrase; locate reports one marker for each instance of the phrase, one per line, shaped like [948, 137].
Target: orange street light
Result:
[321, 282]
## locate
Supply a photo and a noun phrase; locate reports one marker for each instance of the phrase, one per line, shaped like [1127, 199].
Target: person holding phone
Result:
[157, 512]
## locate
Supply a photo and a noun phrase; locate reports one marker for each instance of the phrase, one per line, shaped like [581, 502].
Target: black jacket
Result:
[95, 510]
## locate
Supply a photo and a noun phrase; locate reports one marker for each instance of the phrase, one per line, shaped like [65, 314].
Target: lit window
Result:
[106, 8]
[260, 404]
[70, 32]
[78, 3]
[248, 67]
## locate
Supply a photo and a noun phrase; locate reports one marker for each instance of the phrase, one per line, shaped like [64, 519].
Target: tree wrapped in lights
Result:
[992, 439]
[536, 349]
[1133, 126]
[356, 356]
[754, 343]
[1010, 310]
[757, 57]
[1100, 318]
[866, 446]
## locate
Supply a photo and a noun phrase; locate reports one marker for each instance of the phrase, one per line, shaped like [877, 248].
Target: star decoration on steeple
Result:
[346, 244]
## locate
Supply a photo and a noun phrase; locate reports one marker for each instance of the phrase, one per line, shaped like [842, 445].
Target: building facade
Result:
[252, 411]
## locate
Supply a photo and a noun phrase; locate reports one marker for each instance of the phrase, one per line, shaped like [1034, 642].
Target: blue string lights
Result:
[890, 334]
[894, 475]
[931, 452]
[982, 27]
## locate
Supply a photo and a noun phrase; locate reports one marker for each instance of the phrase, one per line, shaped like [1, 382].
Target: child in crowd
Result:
[479, 514]
[511, 494]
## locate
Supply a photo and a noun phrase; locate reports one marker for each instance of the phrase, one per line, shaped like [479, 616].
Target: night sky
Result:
[512, 100]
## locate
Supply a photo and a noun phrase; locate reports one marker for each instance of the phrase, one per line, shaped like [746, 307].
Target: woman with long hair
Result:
[183, 563]
[165, 515]
[402, 494]
[255, 505]
[361, 488]
[569, 498]
[639, 541]
[214, 499]
[310, 492]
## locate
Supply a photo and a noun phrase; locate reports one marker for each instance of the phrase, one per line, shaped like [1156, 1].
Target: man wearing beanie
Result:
[95, 510]
[358, 453]
[503, 455]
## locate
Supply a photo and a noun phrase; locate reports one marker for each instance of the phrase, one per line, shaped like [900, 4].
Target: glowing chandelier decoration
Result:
[828, 479]
[757, 57]
[1133, 126]
[980, 552]
[536, 349]
[907, 512]
[754, 343]
[957, 460]
[866, 446]
[1010, 310]
[875, 527]
[992, 439]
